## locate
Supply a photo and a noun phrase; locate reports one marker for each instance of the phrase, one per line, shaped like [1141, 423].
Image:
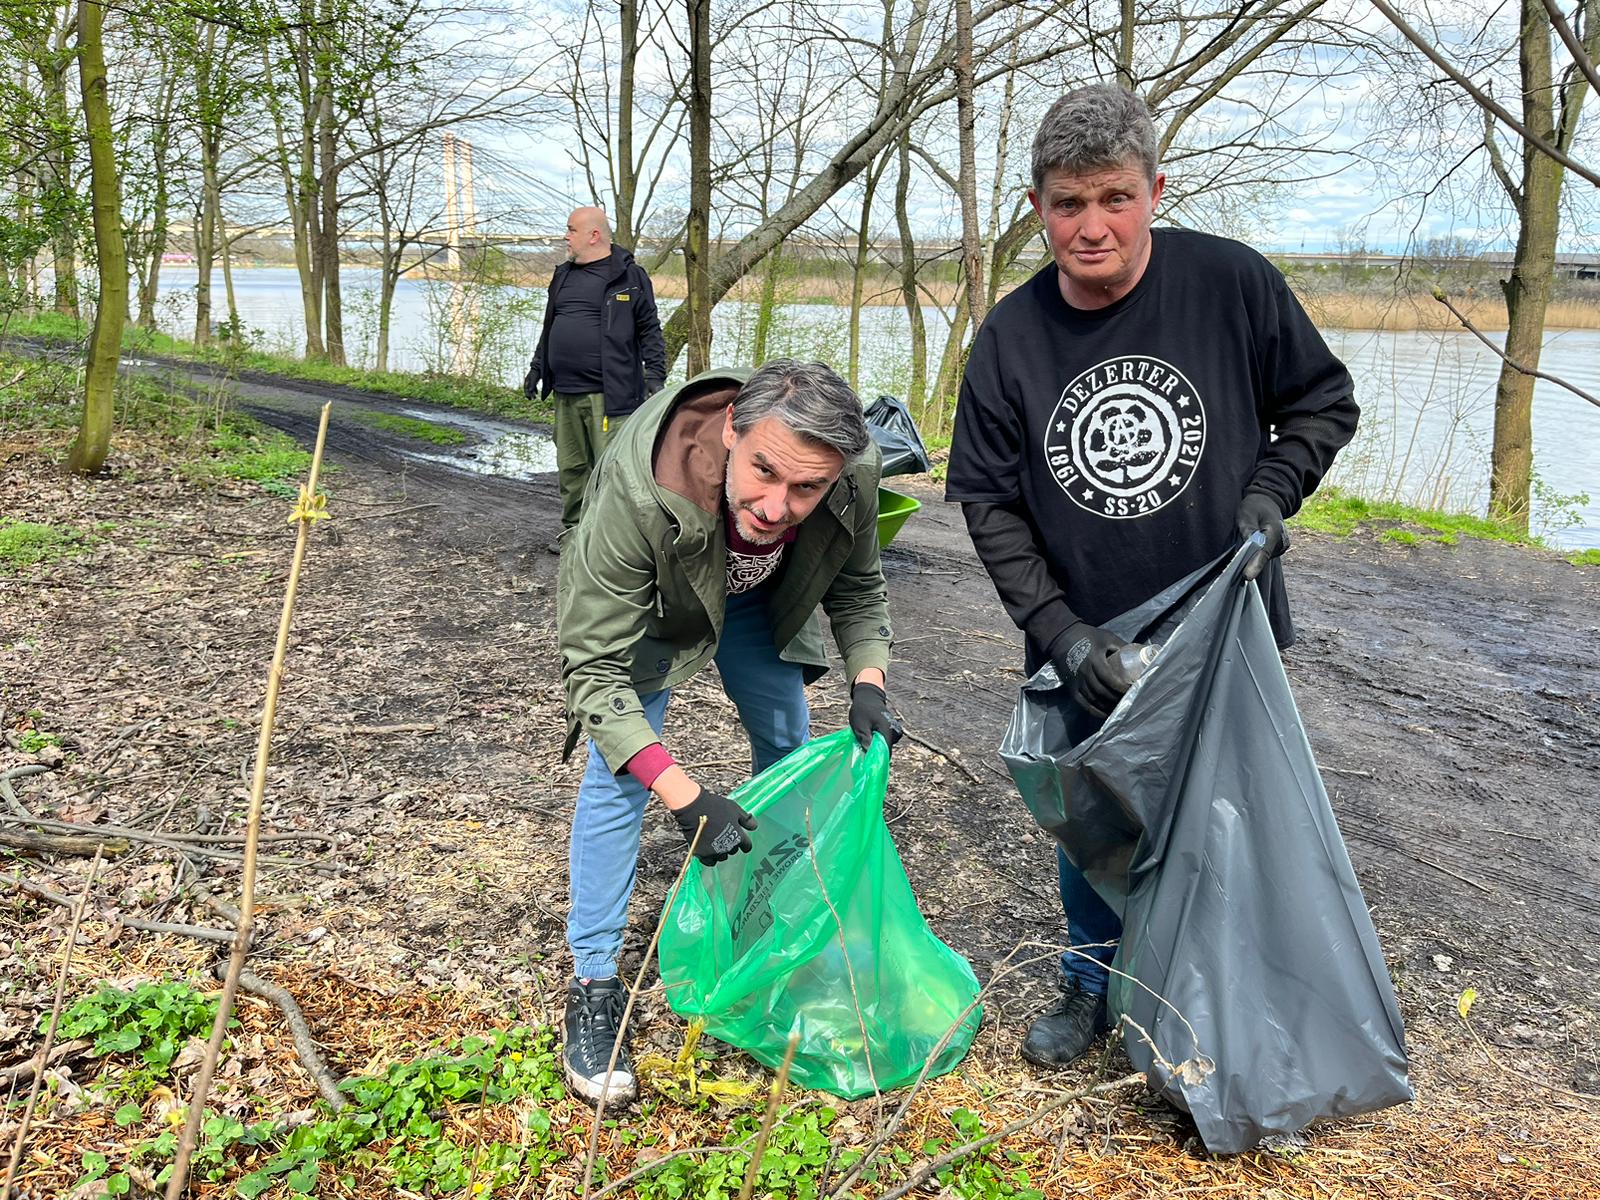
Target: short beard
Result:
[755, 537]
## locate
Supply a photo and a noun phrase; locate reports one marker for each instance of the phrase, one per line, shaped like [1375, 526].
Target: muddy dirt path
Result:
[1452, 695]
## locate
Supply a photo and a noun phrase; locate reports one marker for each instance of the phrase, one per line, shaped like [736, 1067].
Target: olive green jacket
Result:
[644, 579]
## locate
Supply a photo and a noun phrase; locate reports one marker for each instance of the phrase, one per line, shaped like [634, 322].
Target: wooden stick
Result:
[24, 1071]
[770, 1118]
[627, 1012]
[944, 754]
[306, 512]
[62, 843]
[304, 1045]
[203, 932]
[928, 1169]
[50, 1030]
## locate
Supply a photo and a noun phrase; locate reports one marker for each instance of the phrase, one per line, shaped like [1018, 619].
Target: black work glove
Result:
[530, 384]
[724, 834]
[1259, 513]
[869, 714]
[1086, 661]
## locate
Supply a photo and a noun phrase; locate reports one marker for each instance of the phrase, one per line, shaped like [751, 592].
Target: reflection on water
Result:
[1427, 399]
[495, 449]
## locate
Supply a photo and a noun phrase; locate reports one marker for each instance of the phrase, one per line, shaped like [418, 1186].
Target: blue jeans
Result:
[1089, 920]
[770, 696]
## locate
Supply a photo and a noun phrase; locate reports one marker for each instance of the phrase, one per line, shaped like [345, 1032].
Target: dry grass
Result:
[1344, 310]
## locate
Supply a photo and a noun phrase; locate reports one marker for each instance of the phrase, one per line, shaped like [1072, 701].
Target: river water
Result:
[1427, 399]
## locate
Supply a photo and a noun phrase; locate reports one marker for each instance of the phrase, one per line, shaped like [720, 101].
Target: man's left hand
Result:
[869, 714]
[1259, 513]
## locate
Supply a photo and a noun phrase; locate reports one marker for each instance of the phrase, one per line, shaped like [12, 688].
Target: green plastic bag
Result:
[752, 947]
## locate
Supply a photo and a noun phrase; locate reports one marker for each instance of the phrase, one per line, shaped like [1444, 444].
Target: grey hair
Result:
[1095, 127]
[810, 399]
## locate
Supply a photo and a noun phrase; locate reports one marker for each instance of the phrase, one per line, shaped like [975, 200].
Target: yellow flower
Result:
[516, 1056]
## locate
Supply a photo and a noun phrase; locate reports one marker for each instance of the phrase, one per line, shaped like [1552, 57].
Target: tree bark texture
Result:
[88, 452]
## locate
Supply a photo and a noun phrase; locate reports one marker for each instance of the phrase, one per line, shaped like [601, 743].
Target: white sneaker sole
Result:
[622, 1088]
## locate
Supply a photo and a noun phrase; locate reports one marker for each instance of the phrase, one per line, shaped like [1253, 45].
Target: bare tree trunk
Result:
[205, 232]
[161, 145]
[1527, 292]
[328, 189]
[88, 452]
[966, 136]
[916, 388]
[225, 245]
[299, 183]
[858, 277]
[697, 242]
[627, 178]
[770, 270]
[57, 194]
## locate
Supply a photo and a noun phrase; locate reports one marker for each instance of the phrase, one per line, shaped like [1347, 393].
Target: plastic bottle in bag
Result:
[1136, 656]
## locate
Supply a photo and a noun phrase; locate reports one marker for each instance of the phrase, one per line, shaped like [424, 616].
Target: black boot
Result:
[1065, 1031]
[593, 1027]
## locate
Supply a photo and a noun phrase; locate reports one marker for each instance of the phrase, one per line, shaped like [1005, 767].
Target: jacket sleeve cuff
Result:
[620, 738]
[866, 654]
[1050, 625]
[647, 765]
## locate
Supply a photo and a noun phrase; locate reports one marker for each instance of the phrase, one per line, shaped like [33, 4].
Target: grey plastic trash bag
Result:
[890, 424]
[1196, 811]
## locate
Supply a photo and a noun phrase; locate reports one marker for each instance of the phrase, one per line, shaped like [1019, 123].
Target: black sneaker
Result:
[1065, 1031]
[593, 1027]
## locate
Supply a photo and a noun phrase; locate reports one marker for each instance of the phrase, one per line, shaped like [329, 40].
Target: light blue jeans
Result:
[770, 696]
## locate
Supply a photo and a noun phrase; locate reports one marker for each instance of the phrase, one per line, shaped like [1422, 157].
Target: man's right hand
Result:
[1085, 658]
[725, 824]
[530, 384]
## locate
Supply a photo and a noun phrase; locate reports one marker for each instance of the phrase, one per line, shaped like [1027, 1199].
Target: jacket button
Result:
[618, 703]
[883, 630]
[661, 666]
[594, 718]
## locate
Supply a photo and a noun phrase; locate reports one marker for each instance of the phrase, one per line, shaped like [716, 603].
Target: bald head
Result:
[588, 235]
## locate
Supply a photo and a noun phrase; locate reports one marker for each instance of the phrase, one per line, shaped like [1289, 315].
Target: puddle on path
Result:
[497, 449]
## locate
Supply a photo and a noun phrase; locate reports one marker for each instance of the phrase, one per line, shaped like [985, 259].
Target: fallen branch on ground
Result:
[930, 1168]
[305, 1045]
[21, 1072]
[950, 758]
[84, 845]
[111, 916]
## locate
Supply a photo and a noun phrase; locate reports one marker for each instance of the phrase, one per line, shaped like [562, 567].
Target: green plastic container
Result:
[893, 509]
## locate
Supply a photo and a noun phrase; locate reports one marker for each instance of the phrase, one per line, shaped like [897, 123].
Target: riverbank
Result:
[454, 391]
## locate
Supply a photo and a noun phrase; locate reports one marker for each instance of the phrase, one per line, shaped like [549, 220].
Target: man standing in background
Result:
[600, 352]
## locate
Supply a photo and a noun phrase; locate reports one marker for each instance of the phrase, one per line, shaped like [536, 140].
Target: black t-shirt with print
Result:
[1129, 433]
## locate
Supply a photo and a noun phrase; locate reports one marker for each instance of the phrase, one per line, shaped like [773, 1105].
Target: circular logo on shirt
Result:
[1126, 436]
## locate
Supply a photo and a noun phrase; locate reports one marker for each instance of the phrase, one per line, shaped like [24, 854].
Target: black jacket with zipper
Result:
[633, 355]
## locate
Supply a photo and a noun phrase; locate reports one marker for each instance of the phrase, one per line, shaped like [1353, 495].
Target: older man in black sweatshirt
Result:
[1149, 399]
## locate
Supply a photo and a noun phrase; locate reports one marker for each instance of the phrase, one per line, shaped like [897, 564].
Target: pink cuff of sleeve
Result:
[648, 764]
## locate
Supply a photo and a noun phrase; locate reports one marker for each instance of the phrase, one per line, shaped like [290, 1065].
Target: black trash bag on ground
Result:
[1249, 972]
[890, 424]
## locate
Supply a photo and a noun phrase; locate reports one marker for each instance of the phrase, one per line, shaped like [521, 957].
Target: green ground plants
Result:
[24, 543]
[411, 427]
[1339, 514]
[402, 1131]
[233, 354]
